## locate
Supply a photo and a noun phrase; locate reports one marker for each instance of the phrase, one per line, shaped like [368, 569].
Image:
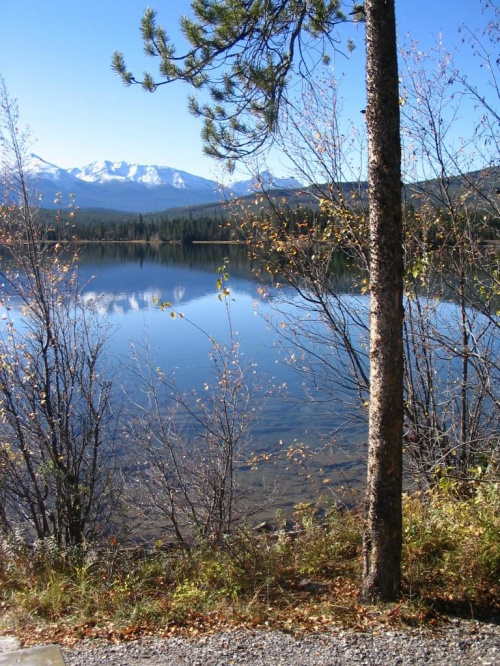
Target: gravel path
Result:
[460, 642]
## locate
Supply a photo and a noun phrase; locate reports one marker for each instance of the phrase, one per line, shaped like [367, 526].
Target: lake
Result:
[308, 421]
[125, 280]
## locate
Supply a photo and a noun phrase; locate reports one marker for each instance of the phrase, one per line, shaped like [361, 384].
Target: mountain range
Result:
[136, 188]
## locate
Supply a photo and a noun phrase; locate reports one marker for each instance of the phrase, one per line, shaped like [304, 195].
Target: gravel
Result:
[459, 642]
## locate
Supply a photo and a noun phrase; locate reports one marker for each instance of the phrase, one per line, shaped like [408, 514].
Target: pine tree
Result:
[245, 53]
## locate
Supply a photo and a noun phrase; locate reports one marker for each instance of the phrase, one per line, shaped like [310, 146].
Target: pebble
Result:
[459, 642]
[9, 644]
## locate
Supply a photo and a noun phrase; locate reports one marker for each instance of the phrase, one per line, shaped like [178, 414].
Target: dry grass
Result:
[305, 581]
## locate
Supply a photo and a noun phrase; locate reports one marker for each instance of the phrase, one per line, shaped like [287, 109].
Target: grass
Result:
[305, 581]
[452, 545]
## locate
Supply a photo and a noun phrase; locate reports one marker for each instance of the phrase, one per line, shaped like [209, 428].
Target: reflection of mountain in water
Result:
[123, 288]
[130, 277]
[124, 277]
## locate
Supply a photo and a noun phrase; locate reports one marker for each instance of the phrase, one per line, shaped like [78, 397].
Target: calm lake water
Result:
[319, 436]
[126, 279]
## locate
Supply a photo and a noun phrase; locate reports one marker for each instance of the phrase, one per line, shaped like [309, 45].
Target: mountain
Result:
[265, 180]
[134, 187]
[148, 175]
[478, 187]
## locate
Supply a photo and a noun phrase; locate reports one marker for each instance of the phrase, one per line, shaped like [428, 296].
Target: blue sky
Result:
[55, 59]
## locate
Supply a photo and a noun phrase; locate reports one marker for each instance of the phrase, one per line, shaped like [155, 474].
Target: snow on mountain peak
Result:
[178, 181]
[265, 180]
[39, 166]
[120, 185]
[102, 171]
[150, 175]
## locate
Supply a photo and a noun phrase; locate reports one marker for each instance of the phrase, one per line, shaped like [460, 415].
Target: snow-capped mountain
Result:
[134, 187]
[265, 180]
[42, 169]
[148, 175]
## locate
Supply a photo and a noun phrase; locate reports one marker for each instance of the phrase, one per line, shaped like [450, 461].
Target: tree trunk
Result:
[383, 522]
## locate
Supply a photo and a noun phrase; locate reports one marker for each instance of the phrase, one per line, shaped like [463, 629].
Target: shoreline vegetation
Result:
[78, 241]
[300, 577]
[238, 227]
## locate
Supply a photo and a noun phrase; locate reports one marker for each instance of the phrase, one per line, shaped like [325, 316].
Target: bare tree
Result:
[57, 438]
[451, 370]
[191, 448]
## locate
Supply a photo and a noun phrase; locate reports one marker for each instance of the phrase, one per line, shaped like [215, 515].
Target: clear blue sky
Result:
[55, 58]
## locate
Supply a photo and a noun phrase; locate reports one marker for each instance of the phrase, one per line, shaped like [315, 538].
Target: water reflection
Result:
[124, 280]
[123, 277]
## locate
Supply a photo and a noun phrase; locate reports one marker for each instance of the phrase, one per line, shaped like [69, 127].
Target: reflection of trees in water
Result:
[199, 256]
[205, 256]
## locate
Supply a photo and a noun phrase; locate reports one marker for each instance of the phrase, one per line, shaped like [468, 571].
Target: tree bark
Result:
[383, 520]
